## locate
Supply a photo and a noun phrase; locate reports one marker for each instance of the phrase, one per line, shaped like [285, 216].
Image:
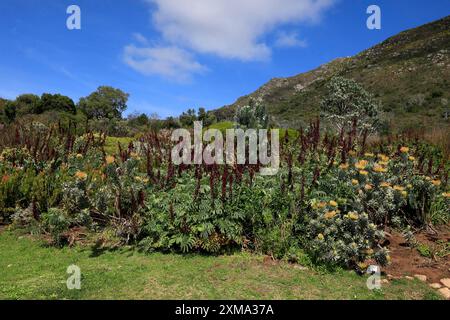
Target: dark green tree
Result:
[187, 118]
[106, 102]
[56, 102]
[28, 104]
[10, 110]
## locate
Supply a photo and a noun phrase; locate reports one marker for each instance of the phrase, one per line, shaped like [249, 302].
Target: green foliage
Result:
[325, 206]
[56, 223]
[106, 102]
[28, 103]
[347, 101]
[424, 250]
[252, 116]
[55, 102]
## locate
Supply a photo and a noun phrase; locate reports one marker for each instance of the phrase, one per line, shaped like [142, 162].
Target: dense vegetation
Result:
[331, 199]
[335, 194]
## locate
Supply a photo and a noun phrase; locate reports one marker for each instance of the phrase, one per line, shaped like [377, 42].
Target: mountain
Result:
[409, 73]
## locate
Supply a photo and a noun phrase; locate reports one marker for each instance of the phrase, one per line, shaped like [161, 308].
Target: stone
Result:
[385, 281]
[445, 292]
[436, 285]
[299, 267]
[446, 282]
[409, 278]
[421, 277]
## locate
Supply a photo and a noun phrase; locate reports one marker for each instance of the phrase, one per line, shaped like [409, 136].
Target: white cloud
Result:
[289, 40]
[167, 61]
[230, 28]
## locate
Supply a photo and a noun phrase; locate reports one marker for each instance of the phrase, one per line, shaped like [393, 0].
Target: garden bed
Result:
[406, 261]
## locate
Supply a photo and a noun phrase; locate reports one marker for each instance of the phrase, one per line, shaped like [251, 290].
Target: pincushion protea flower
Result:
[81, 175]
[333, 203]
[110, 159]
[404, 149]
[436, 183]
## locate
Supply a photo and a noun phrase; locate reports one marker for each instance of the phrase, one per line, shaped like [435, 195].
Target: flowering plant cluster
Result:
[332, 198]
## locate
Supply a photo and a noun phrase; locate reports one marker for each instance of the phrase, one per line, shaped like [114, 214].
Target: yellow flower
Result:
[81, 175]
[404, 193]
[363, 172]
[379, 169]
[353, 216]
[436, 183]
[368, 187]
[399, 188]
[344, 166]
[110, 159]
[411, 158]
[446, 194]
[330, 214]
[79, 156]
[138, 179]
[383, 163]
[404, 149]
[362, 265]
[134, 155]
[369, 252]
[369, 155]
[385, 185]
[322, 205]
[333, 203]
[362, 164]
[383, 158]
[409, 186]
[320, 237]
[355, 182]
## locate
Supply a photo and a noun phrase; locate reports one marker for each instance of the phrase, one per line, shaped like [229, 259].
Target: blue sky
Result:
[170, 55]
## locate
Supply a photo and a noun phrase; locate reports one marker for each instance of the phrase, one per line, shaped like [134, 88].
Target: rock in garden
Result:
[445, 292]
[446, 282]
[436, 285]
[421, 277]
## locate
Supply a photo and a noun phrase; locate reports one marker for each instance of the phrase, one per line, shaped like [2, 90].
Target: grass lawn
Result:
[30, 270]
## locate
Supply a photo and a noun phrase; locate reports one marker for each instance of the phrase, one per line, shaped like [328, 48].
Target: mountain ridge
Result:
[409, 73]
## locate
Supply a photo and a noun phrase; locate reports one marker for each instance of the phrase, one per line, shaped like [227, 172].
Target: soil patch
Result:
[408, 261]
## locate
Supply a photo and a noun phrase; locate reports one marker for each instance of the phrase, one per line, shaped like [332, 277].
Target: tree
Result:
[137, 120]
[187, 118]
[171, 123]
[10, 110]
[3, 118]
[252, 116]
[55, 102]
[208, 118]
[347, 101]
[106, 102]
[27, 104]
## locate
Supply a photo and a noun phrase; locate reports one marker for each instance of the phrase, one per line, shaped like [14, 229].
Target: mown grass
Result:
[31, 270]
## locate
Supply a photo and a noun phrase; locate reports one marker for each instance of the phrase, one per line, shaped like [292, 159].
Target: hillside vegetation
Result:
[409, 73]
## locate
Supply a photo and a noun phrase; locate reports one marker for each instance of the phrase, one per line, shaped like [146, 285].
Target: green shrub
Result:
[56, 222]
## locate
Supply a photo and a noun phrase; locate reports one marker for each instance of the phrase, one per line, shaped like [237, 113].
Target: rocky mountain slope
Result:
[409, 73]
